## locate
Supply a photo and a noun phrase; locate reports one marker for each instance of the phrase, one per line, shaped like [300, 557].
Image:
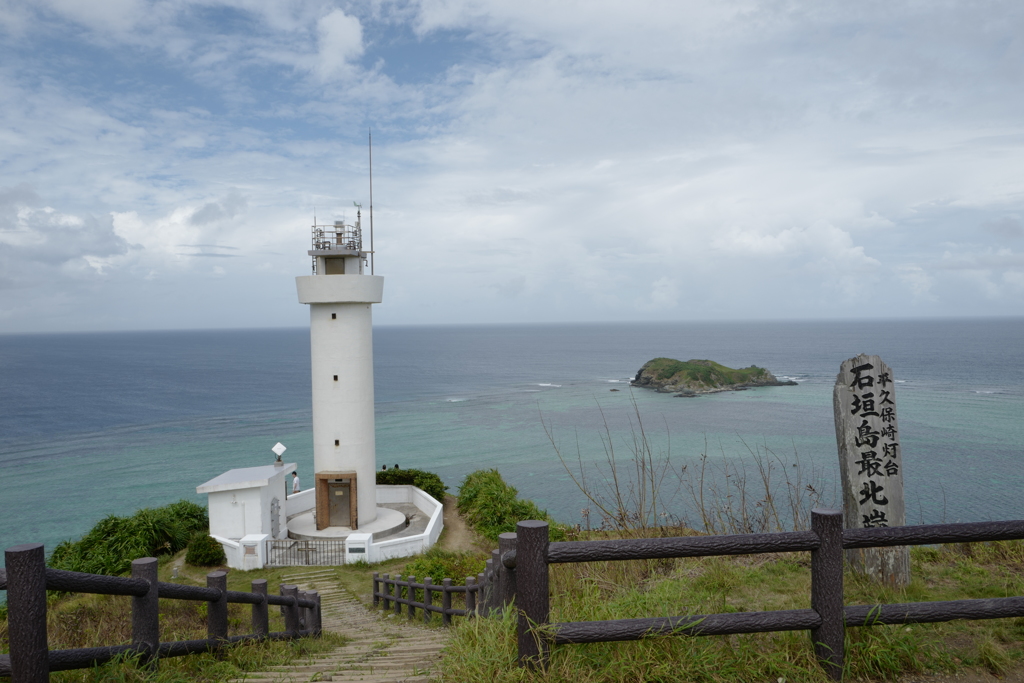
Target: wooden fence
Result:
[486, 593]
[26, 580]
[530, 552]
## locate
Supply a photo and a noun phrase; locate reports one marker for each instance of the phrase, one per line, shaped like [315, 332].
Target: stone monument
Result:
[871, 463]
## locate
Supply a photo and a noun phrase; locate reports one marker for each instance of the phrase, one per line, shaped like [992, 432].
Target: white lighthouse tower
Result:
[340, 295]
[252, 515]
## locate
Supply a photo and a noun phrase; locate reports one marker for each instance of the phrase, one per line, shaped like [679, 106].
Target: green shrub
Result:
[111, 545]
[492, 507]
[439, 564]
[428, 481]
[204, 551]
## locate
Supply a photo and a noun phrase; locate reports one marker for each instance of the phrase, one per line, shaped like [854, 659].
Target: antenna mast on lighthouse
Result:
[370, 134]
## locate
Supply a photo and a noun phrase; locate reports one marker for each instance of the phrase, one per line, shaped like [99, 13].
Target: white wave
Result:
[456, 400]
[550, 385]
[978, 391]
[900, 381]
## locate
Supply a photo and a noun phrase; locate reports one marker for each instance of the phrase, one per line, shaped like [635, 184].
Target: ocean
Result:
[106, 423]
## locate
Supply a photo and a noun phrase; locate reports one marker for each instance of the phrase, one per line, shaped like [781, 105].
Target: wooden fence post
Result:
[311, 612]
[26, 607]
[506, 545]
[827, 591]
[387, 592]
[376, 588]
[483, 579]
[305, 616]
[532, 591]
[446, 602]
[291, 612]
[428, 597]
[497, 577]
[319, 621]
[398, 595]
[470, 596]
[146, 613]
[260, 614]
[412, 596]
[217, 610]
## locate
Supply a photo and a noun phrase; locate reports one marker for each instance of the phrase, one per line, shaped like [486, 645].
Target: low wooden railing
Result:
[486, 593]
[26, 580]
[531, 553]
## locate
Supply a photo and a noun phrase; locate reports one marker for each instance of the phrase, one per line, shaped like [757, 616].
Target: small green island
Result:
[696, 377]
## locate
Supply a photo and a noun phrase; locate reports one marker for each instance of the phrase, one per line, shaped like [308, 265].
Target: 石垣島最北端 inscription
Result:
[871, 463]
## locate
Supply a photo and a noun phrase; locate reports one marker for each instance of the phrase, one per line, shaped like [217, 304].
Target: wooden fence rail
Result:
[486, 593]
[26, 580]
[528, 555]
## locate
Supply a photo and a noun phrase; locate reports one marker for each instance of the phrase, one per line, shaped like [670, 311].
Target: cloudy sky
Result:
[161, 160]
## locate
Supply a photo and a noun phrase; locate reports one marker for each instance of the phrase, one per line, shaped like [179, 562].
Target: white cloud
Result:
[1014, 279]
[918, 280]
[339, 39]
[113, 16]
[532, 161]
[664, 295]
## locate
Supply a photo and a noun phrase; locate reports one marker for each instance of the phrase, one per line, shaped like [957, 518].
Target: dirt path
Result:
[457, 534]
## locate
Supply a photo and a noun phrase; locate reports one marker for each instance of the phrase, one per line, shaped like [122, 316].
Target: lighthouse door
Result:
[339, 493]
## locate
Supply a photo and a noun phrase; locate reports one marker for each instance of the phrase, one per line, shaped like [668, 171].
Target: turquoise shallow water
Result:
[102, 424]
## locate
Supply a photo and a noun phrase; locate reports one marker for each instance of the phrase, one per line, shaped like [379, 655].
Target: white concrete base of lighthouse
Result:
[389, 522]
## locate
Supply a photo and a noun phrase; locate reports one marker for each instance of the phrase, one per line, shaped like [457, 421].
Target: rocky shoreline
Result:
[694, 378]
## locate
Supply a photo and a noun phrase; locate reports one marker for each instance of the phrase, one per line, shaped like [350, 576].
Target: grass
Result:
[441, 563]
[485, 649]
[647, 493]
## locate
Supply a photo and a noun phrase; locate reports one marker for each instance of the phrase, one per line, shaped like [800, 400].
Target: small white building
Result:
[246, 508]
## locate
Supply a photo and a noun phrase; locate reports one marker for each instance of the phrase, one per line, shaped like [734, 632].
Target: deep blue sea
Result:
[99, 424]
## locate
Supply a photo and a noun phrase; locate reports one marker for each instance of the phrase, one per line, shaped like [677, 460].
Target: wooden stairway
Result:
[382, 649]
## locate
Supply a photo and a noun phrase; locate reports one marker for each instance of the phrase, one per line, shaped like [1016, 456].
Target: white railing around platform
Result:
[297, 503]
[378, 551]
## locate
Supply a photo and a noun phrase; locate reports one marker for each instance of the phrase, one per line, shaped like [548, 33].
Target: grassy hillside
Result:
[485, 649]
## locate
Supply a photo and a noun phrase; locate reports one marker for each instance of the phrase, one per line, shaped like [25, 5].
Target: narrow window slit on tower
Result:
[335, 378]
[337, 442]
[334, 316]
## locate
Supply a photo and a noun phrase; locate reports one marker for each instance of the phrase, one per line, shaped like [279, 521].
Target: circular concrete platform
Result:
[388, 522]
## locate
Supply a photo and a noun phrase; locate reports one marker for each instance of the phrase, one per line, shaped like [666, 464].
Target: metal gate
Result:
[294, 553]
